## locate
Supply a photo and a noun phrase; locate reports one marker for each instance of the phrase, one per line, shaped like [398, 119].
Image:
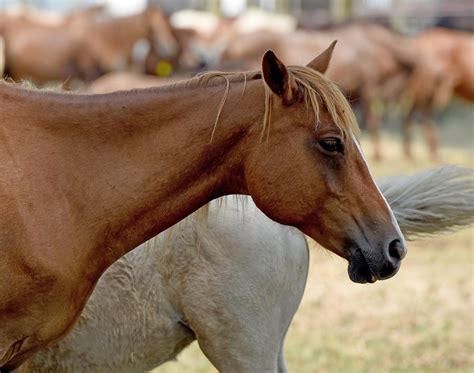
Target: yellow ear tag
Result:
[163, 68]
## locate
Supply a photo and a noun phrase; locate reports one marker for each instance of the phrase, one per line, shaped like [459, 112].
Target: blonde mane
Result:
[317, 91]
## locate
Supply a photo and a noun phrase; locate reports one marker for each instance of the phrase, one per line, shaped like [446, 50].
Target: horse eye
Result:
[331, 145]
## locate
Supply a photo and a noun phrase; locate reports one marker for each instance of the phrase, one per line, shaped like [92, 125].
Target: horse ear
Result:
[321, 62]
[277, 77]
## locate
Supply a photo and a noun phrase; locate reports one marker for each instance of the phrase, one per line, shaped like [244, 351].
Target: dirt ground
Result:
[419, 321]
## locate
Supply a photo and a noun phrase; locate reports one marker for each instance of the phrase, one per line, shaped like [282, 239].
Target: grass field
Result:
[419, 321]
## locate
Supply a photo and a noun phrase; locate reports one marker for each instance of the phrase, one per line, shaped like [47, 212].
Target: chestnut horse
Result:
[124, 80]
[436, 64]
[112, 39]
[83, 45]
[455, 50]
[85, 179]
[43, 51]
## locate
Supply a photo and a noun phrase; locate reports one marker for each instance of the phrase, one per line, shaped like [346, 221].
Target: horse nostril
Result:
[396, 251]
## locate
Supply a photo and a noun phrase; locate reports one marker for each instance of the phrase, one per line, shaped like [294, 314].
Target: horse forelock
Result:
[317, 91]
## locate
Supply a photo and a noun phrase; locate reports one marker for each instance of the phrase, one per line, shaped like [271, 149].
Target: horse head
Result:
[162, 34]
[324, 184]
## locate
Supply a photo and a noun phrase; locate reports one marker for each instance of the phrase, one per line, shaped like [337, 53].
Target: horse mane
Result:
[317, 91]
[29, 85]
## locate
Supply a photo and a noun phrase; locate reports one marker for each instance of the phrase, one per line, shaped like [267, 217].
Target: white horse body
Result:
[233, 283]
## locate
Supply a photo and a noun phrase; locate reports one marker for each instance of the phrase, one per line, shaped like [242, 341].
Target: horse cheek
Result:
[279, 189]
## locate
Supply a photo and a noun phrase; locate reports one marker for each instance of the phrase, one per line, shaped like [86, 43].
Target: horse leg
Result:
[407, 132]
[227, 355]
[247, 335]
[373, 125]
[431, 135]
[281, 359]
[240, 302]
[232, 352]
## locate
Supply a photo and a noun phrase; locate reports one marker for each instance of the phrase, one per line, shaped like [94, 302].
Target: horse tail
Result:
[430, 202]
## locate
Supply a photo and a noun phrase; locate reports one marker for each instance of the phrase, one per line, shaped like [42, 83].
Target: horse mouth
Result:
[359, 270]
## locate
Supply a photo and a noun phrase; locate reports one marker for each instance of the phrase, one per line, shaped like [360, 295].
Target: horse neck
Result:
[175, 169]
[135, 163]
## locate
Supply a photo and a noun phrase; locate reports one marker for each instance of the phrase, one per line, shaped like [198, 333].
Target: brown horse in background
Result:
[125, 80]
[455, 50]
[45, 51]
[85, 179]
[423, 89]
[361, 85]
[437, 64]
[185, 60]
[395, 72]
[83, 45]
[420, 86]
[113, 39]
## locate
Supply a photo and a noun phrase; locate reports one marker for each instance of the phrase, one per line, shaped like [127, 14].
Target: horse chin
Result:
[359, 270]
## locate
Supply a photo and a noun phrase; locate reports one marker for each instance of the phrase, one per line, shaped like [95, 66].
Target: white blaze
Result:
[392, 215]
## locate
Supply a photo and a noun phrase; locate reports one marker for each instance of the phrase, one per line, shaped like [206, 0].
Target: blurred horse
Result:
[184, 61]
[437, 64]
[395, 71]
[124, 80]
[360, 85]
[455, 50]
[424, 89]
[420, 87]
[45, 50]
[83, 45]
[113, 40]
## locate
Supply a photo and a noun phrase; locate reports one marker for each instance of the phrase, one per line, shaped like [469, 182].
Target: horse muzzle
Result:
[365, 267]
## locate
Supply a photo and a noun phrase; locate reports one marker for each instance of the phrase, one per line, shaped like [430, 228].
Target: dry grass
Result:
[419, 321]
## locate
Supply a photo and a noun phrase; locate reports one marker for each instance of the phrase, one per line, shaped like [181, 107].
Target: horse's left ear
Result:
[277, 78]
[321, 63]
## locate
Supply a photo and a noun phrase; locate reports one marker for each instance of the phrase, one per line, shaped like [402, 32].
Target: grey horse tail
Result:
[430, 202]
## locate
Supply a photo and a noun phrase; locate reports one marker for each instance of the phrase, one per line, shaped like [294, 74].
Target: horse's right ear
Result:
[321, 62]
[277, 77]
